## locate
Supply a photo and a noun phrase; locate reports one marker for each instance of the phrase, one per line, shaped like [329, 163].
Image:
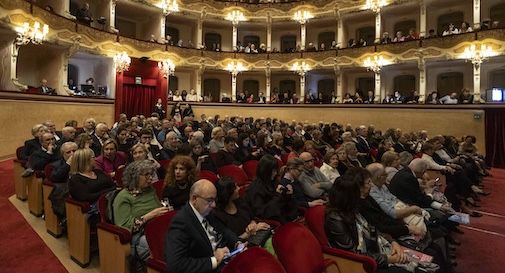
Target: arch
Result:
[367, 33]
[327, 88]
[212, 41]
[174, 33]
[288, 43]
[287, 86]
[327, 38]
[253, 39]
[404, 26]
[449, 82]
[251, 87]
[173, 83]
[73, 73]
[497, 78]
[404, 84]
[365, 84]
[212, 89]
[497, 13]
[444, 20]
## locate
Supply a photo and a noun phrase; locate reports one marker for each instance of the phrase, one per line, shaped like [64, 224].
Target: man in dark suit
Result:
[362, 145]
[46, 154]
[196, 240]
[99, 137]
[44, 89]
[402, 145]
[62, 166]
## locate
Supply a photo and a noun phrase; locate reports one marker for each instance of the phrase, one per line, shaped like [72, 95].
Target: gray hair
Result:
[405, 158]
[133, 171]
[418, 165]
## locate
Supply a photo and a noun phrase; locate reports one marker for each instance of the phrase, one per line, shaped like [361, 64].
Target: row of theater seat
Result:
[310, 252]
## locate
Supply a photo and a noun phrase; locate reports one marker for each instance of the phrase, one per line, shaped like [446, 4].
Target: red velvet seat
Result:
[118, 177]
[113, 242]
[165, 163]
[314, 219]
[206, 174]
[159, 186]
[155, 231]
[254, 260]
[284, 158]
[299, 251]
[249, 168]
[78, 230]
[235, 172]
[20, 183]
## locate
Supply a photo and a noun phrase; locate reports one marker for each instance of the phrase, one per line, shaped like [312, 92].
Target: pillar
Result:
[378, 28]
[377, 91]
[303, 34]
[339, 81]
[476, 83]
[66, 10]
[198, 87]
[269, 35]
[476, 14]
[13, 68]
[112, 16]
[302, 87]
[234, 40]
[233, 87]
[422, 83]
[163, 22]
[340, 33]
[268, 86]
[422, 20]
[199, 33]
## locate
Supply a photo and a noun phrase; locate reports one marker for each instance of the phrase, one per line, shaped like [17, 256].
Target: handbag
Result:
[413, 219]
[260, 237]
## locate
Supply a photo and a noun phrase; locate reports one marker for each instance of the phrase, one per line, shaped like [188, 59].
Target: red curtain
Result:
[495, 137]
[138, 99]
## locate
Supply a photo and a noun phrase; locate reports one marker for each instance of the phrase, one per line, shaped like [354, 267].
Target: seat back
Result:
[159, 186]
[48, 170]
[300, 255]
[284, 158]
[155, 231]
[250, 167]
[118, 177]
[19, 152]
[254, 260]
[314, 218]
[165, 163]
[235, 172]
[206, 174]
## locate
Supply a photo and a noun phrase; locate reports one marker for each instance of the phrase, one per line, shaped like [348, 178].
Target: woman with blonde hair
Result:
[391, 162]
[217, 141]
[87, 183]
[140, 152]
[84, 140]
[181, 174]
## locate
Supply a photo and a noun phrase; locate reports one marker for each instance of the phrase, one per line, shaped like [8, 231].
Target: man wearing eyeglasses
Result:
[61, 167]
[313, 181]
[197, 241]
[46, 154]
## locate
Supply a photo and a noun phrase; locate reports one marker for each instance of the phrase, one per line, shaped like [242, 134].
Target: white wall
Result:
[313, 78]
[277, 78]
[33, 66]
[100, 69]
[433, 13]
[355, 23]
[248, 76]
[388, 76]
[313, 33]
[184, 79]
[226, 36]
[224, 78]
[389, 19]
[433, 72]
[186, 31]
[349, 82]
[262, 34]
[485, 7]
[276, 36]
[150, 27]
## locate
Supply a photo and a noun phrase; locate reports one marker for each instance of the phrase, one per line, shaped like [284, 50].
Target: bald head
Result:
[68, 133]
[377, 171]
[418, 166]
[202, 196]
[308, 161]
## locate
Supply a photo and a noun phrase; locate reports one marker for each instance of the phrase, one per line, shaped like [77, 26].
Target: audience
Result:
[180, 176]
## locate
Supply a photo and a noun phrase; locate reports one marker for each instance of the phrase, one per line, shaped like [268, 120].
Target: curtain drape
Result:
[495, 137]
[138, 99]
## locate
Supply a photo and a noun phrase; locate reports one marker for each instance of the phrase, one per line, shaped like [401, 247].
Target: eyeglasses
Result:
[148, 174]
[71, 151]
[208, 200]
[309, 160]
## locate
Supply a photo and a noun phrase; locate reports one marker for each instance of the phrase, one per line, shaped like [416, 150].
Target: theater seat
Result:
[254, 260]
[434, 174]
[118, 177]
[20, 183]
[113, 242]
[52, 222]
[34, 190]
[346, 260]
[299, 251]
[250, 167]
[206, 174]
[78, 230]
[236, 173]
[159, 186]
[155, 231]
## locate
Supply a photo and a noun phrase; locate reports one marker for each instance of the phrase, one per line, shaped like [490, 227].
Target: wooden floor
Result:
[59, 246]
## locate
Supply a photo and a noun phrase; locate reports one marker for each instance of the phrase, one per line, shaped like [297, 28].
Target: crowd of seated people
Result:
[370, 182]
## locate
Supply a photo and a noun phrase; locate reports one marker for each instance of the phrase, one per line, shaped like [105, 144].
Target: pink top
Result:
[108, 166]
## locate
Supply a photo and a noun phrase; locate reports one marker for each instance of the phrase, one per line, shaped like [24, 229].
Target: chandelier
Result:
[375, 63]
[122, 62]
[476, 55]
[169, 6]
[302, 17]
[301, 68]
[375, 5]
[235, 67]
[235, 17]
[34, 34]
[167, 67]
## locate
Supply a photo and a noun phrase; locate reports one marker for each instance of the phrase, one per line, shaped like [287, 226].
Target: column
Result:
[339, 81]
[112, 16]
[199, 33]
[269, 35]
[378, 86]
[476, 83]
[302, 87]
[340, 33]
[476, 14]
[303, 34]
[378, 25]
[198, 87]
[422, 82]
[66, 10]
[163, 22]
[13, 70]
[233, 86]
[268, 83]
[234, 40]
[422, 19]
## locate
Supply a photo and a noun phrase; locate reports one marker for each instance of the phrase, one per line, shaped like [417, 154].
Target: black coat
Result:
[374, 215]
[30, 147]
[40, 158]
[188, 249]
[405, 186]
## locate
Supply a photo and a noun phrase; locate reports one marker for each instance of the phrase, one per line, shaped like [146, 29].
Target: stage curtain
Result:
[138, 99]
[495, 137]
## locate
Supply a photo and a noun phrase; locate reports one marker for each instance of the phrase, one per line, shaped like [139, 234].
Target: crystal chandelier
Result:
[34, 34]
[169, 6]
[167, 67]
[476, 55]
[301, 68]
[235, 67]
[122, 62]
[235, 17]
[375, 5]
[374, 63]
[302, 17]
